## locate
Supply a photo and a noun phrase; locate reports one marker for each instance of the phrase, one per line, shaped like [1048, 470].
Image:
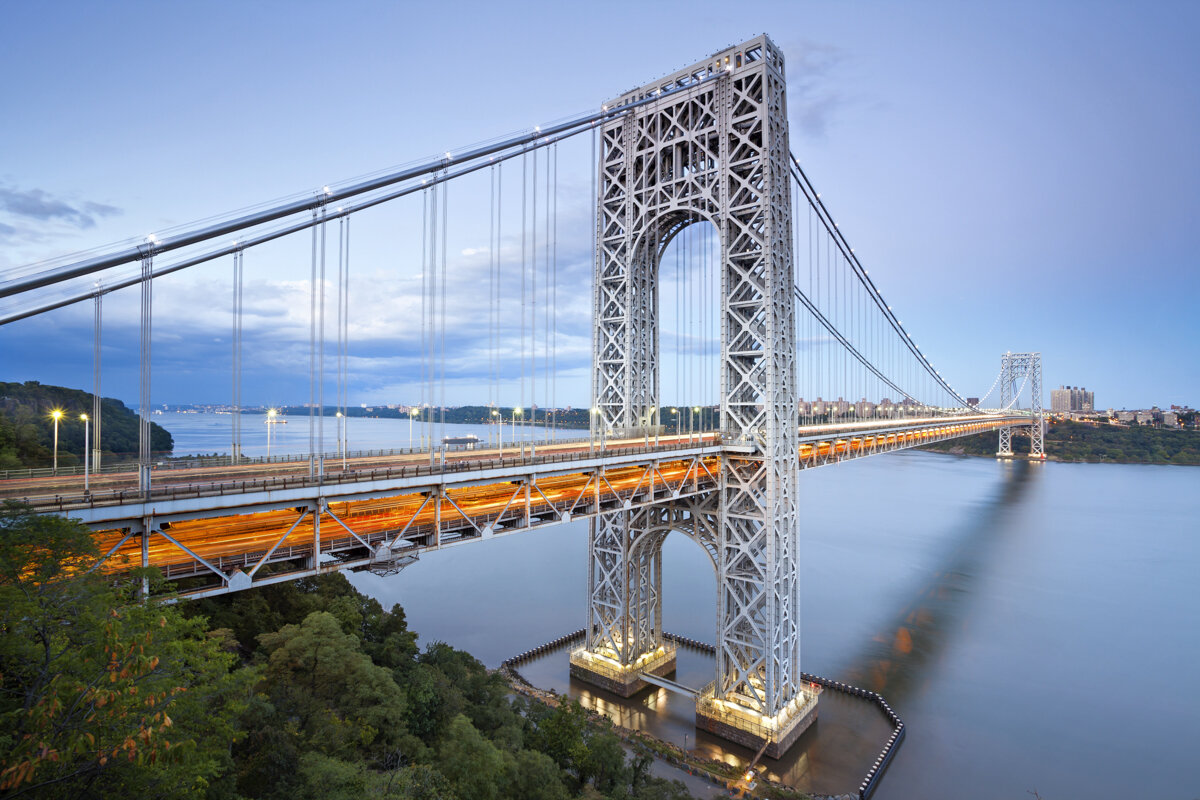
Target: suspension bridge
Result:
[722, 292]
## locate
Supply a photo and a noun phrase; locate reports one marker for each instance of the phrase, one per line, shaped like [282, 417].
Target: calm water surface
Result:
[1037, 626]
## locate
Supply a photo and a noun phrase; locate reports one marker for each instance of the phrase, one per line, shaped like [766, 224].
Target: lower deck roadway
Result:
[211, 539]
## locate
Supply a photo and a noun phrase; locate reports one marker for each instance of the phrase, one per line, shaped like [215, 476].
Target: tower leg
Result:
[1004, 450]
[758, 697]
[624, 634]
[1037, 448]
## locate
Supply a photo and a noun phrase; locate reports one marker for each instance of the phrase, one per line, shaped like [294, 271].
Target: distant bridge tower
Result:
[1022, 366]
[717, 152]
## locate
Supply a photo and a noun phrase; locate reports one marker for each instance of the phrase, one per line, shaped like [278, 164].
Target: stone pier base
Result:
[751, 730]
[624, 681]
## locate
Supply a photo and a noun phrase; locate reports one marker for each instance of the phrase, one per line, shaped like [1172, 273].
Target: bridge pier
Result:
[624, 632]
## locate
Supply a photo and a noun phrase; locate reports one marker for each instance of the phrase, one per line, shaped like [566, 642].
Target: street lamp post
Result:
[517, 412]
[675, 411]
[56, 415]
[697, 419]
[341, 421]
[498, 424]
[410, 417]
[270, 424]
[86, 445]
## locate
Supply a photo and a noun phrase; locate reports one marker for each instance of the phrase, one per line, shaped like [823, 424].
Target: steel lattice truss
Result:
[717, 153]
[1022, 366]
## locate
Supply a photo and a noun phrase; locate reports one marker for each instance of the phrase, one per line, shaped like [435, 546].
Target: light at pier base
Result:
[603, 668]
[751, 728]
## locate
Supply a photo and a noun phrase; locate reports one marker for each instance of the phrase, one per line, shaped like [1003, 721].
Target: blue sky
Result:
[1015, 176]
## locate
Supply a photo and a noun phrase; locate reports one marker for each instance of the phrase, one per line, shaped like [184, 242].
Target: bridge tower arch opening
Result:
[714, 147]
[686, 253]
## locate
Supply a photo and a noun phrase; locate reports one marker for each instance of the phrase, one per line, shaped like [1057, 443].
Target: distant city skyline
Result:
[1015, 178]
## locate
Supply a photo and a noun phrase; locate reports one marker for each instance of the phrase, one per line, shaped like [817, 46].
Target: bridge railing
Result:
[166, 462]
[179, 491]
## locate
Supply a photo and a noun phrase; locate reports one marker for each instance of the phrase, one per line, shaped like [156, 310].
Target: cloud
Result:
[813, 102]
[41, 206]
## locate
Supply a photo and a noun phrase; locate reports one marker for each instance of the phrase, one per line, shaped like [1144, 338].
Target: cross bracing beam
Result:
[438, 517]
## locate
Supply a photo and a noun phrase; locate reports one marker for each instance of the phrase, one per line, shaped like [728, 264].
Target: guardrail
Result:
[179, 491]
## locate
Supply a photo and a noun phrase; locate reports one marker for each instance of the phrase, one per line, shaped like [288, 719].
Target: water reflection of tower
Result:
[894, 661]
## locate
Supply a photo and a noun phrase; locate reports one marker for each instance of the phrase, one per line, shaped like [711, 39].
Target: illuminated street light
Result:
[86, 427]
[56, 415]
[341, 421]
[270, 424]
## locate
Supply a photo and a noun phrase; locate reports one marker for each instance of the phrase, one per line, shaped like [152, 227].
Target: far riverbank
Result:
[1084, 443]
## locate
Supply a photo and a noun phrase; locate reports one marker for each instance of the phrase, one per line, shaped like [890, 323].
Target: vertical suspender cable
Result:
[144, 410]
[554, 304]
[524, 278]
[595, 418]
[340, 382]
[346, 348]
[96, 333]
[491, 299]
[546, 304]
[431, 369]
[533, 219]
[321, 354]
[442, 399]
[496, 291]
[312, 353]
[424, 306]
[235, 368]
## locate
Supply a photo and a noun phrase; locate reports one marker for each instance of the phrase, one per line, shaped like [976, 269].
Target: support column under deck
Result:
[624, 632]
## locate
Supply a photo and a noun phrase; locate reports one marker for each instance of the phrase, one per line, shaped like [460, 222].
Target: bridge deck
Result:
[210, 524]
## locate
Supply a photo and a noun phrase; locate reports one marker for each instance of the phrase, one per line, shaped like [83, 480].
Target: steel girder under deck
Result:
[378, 528]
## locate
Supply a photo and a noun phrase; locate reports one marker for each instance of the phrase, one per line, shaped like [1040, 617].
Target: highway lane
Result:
[226, 537]
[193, 477]
[252, 534]
[107, 488]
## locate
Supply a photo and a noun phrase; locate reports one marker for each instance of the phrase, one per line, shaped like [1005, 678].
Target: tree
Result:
[99, 692]
[318, 676]
[535, 776]
[473, 765]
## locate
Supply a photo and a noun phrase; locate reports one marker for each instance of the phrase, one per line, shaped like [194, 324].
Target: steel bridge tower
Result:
[717, 152]
[1023, 367]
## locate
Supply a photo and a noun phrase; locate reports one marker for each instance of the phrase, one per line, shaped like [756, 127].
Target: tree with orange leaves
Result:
[101, 693]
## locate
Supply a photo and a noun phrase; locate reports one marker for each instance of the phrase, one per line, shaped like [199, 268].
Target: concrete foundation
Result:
[624, 682]
[752, 736]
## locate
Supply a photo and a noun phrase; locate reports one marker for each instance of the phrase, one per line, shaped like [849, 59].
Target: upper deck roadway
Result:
[218, 526]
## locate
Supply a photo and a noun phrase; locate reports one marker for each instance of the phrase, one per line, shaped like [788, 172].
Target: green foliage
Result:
[27, 430]
[330, 698]
[98, 693]
[1080, 441]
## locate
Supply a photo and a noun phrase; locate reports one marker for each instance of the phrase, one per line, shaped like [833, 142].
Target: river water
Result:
[1037, 626]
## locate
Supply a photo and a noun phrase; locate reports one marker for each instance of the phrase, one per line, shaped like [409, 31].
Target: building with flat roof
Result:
[1069, 399]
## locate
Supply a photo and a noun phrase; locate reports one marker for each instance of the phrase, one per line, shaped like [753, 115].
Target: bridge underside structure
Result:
[214, 531]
